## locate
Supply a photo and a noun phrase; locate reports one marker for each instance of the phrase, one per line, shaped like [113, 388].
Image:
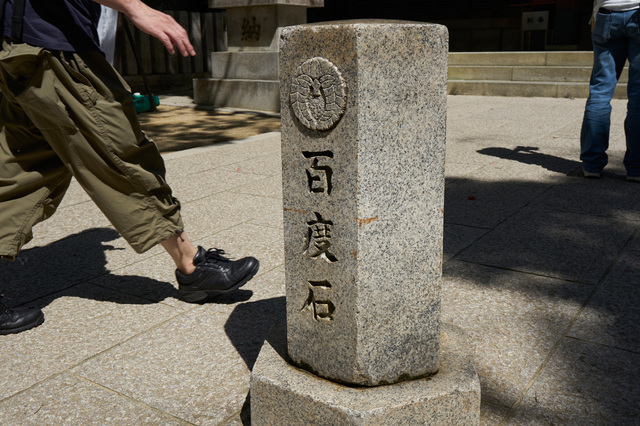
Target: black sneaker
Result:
[215, 275]
[17, 320]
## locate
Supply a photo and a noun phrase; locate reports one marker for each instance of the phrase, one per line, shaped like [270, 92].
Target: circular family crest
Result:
[318, 94]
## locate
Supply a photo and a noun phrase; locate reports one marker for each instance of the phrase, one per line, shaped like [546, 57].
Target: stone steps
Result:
[530, 74]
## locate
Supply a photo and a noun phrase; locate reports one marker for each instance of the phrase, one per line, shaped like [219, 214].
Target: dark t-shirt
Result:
[58, 24]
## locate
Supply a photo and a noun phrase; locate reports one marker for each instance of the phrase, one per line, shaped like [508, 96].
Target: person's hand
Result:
[155, 23]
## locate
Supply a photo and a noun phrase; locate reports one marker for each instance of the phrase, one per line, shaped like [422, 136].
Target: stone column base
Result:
[282, 394]
[262, 95]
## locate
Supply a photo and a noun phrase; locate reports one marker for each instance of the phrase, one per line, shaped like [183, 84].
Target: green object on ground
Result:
[143, 103]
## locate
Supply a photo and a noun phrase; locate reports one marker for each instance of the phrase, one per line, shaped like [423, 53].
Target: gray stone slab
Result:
[67, 399]
[74, 195]
[612, 316]
[282, 394]
[478, 130]
[584, 384]
[210, 215]
[195, 367]
[608, 197]
[68, 221]
[564, 245]
[193, 187]
[457, 238]
[264, 165]
[454, 171]
[486, 204]
[270, 186]
[363, 191]
[513, 319]
[79, 323]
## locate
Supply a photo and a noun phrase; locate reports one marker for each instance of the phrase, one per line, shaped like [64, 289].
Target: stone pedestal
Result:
[363, 106]
[284, 395]
[246, 76]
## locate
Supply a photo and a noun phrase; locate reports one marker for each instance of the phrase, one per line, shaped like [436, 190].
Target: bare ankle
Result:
[182, 251]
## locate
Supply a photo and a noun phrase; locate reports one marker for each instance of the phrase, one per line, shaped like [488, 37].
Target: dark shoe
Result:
[17, 320]
[215, 275]
[633, 178]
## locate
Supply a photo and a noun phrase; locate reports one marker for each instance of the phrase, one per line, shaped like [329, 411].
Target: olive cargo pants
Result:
[70, 114]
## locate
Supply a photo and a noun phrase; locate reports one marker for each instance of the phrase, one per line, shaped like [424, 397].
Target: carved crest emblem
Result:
[318, 94]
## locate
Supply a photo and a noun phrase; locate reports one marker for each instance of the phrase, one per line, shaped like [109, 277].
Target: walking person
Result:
[64, 111]
[616, 38]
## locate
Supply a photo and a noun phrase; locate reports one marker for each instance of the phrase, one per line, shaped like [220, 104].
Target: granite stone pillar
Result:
[363, 109]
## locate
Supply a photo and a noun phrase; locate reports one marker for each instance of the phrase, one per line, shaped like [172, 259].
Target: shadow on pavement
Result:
[529, 155]
[568, 251]
[58, 268]
[176, 128]
[249, 324]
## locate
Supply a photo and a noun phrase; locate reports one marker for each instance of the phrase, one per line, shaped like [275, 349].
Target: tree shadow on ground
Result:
[176, 128]
[567, 250]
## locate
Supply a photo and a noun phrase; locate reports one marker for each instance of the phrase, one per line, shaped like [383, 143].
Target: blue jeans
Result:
[616, 38]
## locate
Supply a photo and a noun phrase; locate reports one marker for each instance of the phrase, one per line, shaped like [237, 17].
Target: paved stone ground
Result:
[541, 267]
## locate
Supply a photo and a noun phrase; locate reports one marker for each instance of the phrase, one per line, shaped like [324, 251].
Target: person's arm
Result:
[155, 23]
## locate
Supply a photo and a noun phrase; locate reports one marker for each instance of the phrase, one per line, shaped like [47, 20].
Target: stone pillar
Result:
[246, 76]
[363, 109]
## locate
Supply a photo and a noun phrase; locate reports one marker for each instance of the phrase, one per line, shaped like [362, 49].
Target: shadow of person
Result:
[249, 323]
[44, 272]
[529, 155]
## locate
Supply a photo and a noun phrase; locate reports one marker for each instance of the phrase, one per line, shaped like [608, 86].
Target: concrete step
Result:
[526, 73]
[571, 58]
[526, 89]
[542, 74]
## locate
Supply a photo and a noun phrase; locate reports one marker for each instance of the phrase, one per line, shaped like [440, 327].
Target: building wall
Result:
[479, 25]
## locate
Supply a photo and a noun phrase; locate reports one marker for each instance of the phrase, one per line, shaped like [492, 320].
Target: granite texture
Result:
[363, 200]
[283, 395]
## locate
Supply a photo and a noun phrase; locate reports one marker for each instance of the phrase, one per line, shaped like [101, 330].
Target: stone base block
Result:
[261, 95]
[282, 394]
[245, 65]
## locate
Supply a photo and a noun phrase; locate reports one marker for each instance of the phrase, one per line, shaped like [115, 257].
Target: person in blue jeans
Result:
[616, 38]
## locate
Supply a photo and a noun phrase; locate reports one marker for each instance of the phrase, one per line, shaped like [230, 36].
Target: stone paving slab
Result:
[612, 316]
[81, 322]
[68, 399]
[514, 319]
[540, 265]
[586, 385]
[565, 245]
